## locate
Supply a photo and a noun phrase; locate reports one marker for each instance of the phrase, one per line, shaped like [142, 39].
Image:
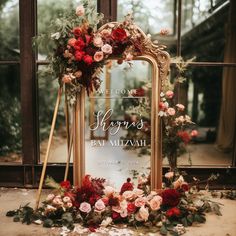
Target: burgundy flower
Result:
[115, 216]
[184, 186]
[173, 212]
[171, 197]
[113, 201]
[119, 34]
[65, 184]
[131, 208]
[127, 186]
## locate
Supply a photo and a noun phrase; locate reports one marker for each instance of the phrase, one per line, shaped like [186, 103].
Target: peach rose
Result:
[138, 192]
[105, 33]
[178, 182]
[107, 49]
[100, 206]
[57, 201]
[171, 111]
[169, 94]
[98, 56]
[78, 74]
[180, 107]
[143, 214]
[140, 201]
[128, 195]
[155, 203]
[69, 204]
[66, 199]
[129, 57]
[66, 79]
[50, 197]
[67, 54]
[97, 41]
[80, 10]
[85, 207]
[71, 42]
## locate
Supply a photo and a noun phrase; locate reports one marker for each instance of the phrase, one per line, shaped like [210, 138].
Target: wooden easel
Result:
[75, 140]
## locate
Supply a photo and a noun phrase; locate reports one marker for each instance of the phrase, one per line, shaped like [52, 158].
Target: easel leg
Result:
[48, 148]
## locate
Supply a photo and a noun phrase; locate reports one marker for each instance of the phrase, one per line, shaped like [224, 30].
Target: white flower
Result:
[66, 199]
[50, 197]
[106, 222]
[56, 35]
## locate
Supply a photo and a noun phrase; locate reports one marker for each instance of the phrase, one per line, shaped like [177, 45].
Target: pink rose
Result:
[80, 10]
[171, 111]
[155, 203]
[107, 49]
[57, 201]
[100, 206]
[178, 182]
[97, 41]
[180, 107]
[98, 56]
[140, 201]
[78, 74]
[67, 54]
[69, 204]
[169, 175]
[138, 192]
[194, 133]
[143, 214]
[169, 94]
[85, 207]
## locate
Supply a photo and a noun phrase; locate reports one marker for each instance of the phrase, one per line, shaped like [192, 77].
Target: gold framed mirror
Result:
[158, 61]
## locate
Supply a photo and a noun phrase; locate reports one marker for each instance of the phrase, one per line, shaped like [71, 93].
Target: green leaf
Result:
[48, 223]
[163, 230]
[184, 222]
[11, 213]
[216, 209]
[199, 218]
[190, 219]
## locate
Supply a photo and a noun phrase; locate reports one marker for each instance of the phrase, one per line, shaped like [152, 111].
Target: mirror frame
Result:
[160, 61]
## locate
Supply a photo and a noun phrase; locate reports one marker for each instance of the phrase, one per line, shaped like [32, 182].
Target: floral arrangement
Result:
[96, 204]
[177, 128]
[80, 51]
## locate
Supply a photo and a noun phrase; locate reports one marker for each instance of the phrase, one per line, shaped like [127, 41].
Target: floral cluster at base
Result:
[81, 51]
[177, 127]
[96, 205]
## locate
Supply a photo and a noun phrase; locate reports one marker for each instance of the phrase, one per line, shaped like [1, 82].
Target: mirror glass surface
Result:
[118, 131]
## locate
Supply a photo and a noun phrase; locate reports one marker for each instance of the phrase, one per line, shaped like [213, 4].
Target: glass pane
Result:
[49, 10]
[152, 16]
[9, 30]
[204, 30]
[47, 94]
[10, 115]
[118, 133]
[202, 96]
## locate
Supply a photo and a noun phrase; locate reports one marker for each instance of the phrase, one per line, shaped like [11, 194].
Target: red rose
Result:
[119, 34]
[139, 92]
[88, 59]
[115, 215]
[131, 208]
[173, 212]
[171, 197]
[79, 55]
[105, 200]
[79, 44]
[65, 184]
[77, 31]
[184, 136]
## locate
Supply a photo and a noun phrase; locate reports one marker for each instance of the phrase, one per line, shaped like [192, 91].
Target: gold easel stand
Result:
[75, 139]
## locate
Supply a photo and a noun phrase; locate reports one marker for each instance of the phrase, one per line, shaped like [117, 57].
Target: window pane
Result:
[152, 16]
[47, 95]
[10, 115]
[9, 29]
[202, 96]
[204, 30]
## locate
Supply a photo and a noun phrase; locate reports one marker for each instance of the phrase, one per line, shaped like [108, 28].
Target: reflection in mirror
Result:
[10, 115]
[117, 132]
[201, 94]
